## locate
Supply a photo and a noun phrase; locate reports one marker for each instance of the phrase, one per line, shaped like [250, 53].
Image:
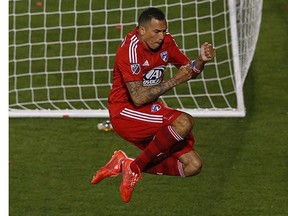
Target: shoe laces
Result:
[132, 179]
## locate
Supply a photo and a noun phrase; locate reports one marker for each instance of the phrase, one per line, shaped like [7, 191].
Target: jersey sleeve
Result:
[130, 72]
[176, 56]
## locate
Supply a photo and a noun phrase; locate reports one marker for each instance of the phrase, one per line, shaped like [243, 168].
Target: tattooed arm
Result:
[143, 94]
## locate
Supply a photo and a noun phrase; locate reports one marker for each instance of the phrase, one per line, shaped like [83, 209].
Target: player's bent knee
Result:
[188, 121]
[193, 168]
[183, 124]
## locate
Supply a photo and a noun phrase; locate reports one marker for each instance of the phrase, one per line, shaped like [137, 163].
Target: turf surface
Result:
[51, 161]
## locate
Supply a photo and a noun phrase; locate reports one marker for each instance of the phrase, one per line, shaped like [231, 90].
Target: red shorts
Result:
[139, 126]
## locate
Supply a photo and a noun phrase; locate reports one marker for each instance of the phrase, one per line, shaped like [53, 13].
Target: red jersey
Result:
[135, 62]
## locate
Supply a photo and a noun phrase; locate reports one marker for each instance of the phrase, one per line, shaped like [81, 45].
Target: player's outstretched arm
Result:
[207, 53]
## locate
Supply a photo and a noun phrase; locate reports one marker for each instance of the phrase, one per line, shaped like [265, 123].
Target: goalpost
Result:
[61, 54]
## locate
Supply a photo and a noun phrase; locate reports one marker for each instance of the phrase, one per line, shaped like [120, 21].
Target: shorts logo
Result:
[155, 107]
[135, 68]
[154, 76]
[164, 56]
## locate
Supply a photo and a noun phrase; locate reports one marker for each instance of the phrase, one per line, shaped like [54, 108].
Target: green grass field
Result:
[51, 161]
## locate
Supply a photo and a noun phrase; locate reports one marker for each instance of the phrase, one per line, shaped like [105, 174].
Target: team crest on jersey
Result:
[154, 76]
[155, 107]
[135, 68]
[164, 56]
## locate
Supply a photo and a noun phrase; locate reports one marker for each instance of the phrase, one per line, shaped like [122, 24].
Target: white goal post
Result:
[61, 54]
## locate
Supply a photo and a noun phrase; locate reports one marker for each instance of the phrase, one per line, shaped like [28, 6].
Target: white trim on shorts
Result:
[142, 116]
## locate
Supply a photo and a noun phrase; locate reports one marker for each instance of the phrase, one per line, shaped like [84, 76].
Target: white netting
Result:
[248, 26]
[62, 53]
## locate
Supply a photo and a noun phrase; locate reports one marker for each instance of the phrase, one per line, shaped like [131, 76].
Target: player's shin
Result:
[162, 141]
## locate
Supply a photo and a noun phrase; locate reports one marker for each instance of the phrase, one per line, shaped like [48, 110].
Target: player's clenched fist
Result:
[207, 52]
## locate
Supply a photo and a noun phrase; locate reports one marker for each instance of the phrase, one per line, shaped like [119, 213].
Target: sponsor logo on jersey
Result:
[135, 68]
[154, 76]
[155, 107]
[164, 56]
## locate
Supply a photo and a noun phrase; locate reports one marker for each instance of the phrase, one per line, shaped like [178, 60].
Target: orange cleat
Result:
[129, 180]
[111, 169]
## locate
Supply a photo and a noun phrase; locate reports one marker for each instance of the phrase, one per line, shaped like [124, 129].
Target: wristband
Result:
[193, 66]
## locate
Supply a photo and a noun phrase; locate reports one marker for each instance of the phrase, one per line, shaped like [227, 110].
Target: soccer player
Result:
[163, 134]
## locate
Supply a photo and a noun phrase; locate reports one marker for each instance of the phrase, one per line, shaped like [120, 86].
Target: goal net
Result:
[61, 53]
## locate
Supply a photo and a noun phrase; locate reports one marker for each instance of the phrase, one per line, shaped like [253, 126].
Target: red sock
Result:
[169, 166]
[162, 141]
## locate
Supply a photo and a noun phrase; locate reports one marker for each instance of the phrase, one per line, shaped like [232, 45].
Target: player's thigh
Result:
[141, 125]
[135, 131]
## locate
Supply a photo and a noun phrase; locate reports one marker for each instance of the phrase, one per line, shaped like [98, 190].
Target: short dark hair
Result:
[149, 14]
